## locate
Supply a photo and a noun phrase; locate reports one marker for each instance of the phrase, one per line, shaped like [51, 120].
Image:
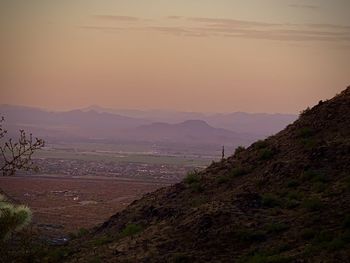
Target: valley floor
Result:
[64, 205]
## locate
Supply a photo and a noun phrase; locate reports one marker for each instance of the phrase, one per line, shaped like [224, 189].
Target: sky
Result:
[185, 55]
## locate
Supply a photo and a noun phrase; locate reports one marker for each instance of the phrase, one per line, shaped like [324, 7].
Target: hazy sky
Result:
[189, 55]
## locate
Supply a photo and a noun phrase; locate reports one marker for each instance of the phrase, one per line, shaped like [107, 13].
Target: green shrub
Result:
[347, 182]
[346, 221]
[305, 112]
[100, 241]
[320, 177]
[180, 258]
[323, 237]
[305, 132]
[346, 236]
[197, 188]
[198, 200]
[291, 203]
[238, 150]
[326, 240]
[270, 200]
[315, 176]
[308, 143]
[319, 187]
[249, 235]
[80, 233]
[308, 175]
[336, 244]
[297, 195]
[239, 171]
[292, 183]
[266, 154]
[192, 177]
[131, 230]
[313, 204]
[308, 233]
[276, 228]
[222, 179]
[12, 218]
[95, 259]
[58, 254]
[260, 144]
[265, 257]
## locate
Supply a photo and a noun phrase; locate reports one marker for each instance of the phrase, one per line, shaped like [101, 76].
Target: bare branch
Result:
[18, 155]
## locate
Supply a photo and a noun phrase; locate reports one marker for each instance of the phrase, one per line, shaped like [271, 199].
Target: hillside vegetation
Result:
[284, 199]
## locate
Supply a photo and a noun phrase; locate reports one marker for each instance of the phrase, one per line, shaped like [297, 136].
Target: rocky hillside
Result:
[284, 199]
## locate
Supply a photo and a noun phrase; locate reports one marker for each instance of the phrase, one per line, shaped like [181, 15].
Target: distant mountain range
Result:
[261, 124]
[97, 123]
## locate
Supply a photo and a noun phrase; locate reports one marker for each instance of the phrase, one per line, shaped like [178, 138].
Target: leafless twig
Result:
[17, 155]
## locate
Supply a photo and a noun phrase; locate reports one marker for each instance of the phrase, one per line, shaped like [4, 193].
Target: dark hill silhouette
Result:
[284, 199]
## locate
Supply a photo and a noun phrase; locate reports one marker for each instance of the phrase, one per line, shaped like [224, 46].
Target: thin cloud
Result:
[103, 28]
[310, 7]
[174, 17]
[117, 18]
[230, 22]
[222, 27]
[329, 26]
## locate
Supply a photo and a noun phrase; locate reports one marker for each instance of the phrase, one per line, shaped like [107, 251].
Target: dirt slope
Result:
[285, 199]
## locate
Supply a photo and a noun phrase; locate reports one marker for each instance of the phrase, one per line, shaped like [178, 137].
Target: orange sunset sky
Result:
[187, 55]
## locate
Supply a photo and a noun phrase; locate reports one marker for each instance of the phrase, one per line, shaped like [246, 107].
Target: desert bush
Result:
[260, 144]
[270, 200]
[238, 150]
[102, 240]
[192, 177]
[319, 187]
[305, 112]
[250, 235]
[222, 179]
[58, 254]
[12, 218]
[265, 257]
[336, 244]
[95, 259]
[181, 258]
[323, 236]
[266, 154]
[312, 204]
[276, 228]
[80, 233]
[291, 203]
[315, 176]
[292, 183]
[131, 230]
[346, 222]
[239, 171]
[305, 132]
[308, 233]
[196, 187]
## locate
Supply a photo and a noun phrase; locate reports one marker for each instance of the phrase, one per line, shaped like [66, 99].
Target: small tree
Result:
[15, 155]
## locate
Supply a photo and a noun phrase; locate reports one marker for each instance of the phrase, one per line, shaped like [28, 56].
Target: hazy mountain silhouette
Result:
[99, 123]
[188, 132]
[263, 124]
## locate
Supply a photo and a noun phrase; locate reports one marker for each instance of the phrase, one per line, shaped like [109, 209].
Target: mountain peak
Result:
[195, 123]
